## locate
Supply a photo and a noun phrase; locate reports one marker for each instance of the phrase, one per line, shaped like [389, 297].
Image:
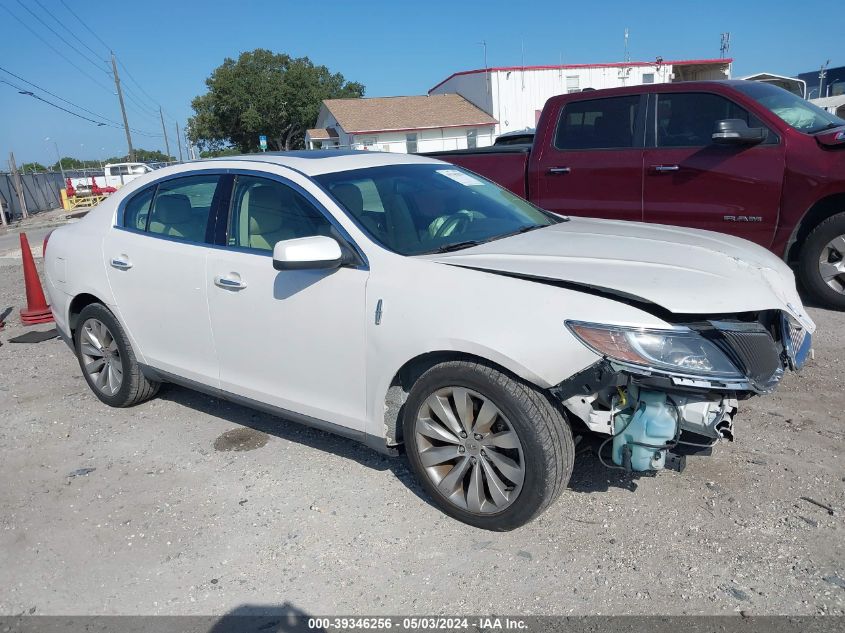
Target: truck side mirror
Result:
[737, 132]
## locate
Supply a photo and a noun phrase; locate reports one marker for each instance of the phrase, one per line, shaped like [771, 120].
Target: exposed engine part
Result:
[643, 430]
[707, 415]
[644, 423]
[676, 462]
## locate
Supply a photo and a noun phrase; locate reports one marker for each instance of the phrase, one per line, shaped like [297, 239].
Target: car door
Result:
[293, 339]
[155, 260]
[691, 181]
[592, 165]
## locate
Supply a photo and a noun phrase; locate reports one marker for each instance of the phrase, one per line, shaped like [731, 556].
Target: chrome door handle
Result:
[664, 168]
[559, 170]
[121, 262]
[229, 283]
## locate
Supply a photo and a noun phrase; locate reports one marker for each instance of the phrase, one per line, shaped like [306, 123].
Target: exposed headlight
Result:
[678, 351]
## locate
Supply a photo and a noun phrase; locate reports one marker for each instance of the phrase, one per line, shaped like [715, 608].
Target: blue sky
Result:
[393, 48]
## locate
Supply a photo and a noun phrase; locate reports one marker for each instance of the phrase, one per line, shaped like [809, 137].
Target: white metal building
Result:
[515, 95]
[423, 123]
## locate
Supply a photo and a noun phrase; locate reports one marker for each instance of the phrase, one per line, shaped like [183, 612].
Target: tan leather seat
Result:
[173, 216]
[350, 197]
[275, 214]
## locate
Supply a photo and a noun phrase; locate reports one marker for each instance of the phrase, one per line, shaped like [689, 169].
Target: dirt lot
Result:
[168, 521]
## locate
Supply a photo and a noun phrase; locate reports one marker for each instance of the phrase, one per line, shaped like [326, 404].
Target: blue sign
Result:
[262, 141]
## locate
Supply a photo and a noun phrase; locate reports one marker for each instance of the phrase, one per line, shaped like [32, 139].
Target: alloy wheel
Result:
[101, 357]
[469, 450]
[832, 264]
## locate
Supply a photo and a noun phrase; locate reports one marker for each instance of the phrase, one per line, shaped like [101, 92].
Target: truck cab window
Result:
[598, 124]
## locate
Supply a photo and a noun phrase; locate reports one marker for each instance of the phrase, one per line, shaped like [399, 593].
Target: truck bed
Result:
[506, 165]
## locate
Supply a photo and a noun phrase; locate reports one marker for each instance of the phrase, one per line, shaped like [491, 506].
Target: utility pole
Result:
[59, 156]
[484, 44]
[189, 148]
[163, 129]
[627, 54]
[18, 183]
[725, 45]
[122, 107]
[179, 140]
[822, 75]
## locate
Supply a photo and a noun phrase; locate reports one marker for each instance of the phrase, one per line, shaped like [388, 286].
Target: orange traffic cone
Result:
[37, 310]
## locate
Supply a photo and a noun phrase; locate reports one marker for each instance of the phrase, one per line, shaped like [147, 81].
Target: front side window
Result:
[598, 124]
[138, 169]
[688, 119]
[417, 209]
[792, 109]
[181, 207]
[265, 211]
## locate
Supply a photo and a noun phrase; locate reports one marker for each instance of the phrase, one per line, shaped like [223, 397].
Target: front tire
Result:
[822, 263]
[490, 449]
[107, 360]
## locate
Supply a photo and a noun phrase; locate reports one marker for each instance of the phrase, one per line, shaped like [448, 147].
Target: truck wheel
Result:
[107, 360]
[490, 450]
[822, 264]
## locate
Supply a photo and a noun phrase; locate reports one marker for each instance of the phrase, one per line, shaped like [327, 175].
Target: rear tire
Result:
[107, 360]
[821, 257]
[534, 466]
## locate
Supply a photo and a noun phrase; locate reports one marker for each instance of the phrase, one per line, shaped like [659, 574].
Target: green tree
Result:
[30, 167]
[263, 93]
[215, 153]
[152, 156]
[68, 162]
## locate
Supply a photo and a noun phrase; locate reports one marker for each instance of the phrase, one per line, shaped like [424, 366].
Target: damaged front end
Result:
[659, 393]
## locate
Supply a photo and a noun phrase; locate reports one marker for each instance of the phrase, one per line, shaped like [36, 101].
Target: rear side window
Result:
[688, 119]
[598, 124]
[266, 211]
[181, 207]
[137, 211]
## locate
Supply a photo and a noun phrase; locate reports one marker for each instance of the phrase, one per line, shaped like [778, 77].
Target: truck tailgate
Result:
[506, 166]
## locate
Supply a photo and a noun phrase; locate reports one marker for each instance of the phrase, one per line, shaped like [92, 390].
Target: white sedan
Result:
[402, 301]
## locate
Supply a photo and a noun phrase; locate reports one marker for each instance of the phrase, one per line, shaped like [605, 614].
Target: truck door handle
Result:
[121, 262]
[559, 170]
[231, 281]
[665, 168]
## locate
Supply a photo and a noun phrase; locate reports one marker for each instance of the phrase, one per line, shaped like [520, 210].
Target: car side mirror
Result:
[737, 132]
[308, 253]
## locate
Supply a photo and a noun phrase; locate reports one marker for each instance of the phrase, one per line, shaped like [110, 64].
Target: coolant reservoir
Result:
[652, 422]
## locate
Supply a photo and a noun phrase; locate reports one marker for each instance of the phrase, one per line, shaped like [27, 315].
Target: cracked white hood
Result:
[686, 271]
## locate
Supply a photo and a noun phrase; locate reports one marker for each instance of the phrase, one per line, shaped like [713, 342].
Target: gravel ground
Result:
[171, 520]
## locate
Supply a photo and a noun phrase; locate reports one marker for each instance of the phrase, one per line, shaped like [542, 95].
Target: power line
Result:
[57, 34]
[134, 81]
[70, 103]
[85, 24]
[67, 29]
[54, 49]
[152, 112]
[29, 93]
[52, 94]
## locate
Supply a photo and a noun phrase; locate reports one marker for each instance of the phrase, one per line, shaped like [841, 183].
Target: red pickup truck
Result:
[739, 157]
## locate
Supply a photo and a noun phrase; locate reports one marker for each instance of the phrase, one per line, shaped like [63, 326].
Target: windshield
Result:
[795, 111]
[416, 209]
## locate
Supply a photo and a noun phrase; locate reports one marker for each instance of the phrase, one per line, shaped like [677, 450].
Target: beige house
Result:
[401, 124]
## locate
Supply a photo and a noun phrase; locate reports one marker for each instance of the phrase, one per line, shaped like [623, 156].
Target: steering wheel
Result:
[453, 224]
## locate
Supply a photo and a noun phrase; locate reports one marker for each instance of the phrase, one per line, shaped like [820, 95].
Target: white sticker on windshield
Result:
[461, 177]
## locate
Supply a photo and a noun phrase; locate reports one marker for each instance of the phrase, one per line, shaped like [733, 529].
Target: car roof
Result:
[316, 162]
